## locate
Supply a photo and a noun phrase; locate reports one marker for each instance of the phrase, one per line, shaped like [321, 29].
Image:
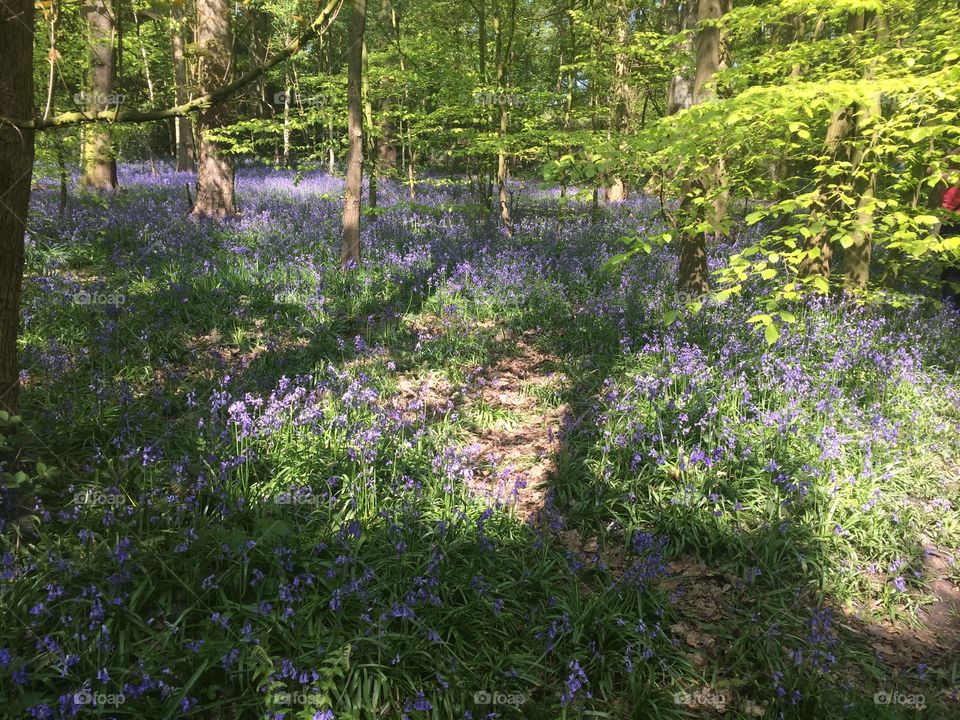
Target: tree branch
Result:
[318, 27]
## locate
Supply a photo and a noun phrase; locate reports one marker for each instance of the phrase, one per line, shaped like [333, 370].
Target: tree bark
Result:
[387, 149]
[503, 50]
[16, 171]
[350, 249]
[620, 115]
[709, 48]
[183, 126]
[215, 179]
[857, 257]
[680, 92]
[694, 275]
[711, 52]
[818, 246]
[98, 160]
[371, 150]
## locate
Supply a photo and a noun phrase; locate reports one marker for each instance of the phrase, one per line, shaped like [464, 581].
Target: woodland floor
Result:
[480, 477]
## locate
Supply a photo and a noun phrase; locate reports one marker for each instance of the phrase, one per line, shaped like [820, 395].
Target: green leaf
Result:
[669, 316]
[771, 333]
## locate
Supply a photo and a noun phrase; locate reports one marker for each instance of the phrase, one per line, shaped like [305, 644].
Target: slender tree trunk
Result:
[371, 150]
[98, 160]
[144, 58]
[857, 257]
[288, 89]
[350, 249]
[62, 167]
[502, 195]
[503, 50]
[260, 31]
[331, 152]
[16, 171]
[620, 115]
[711, 57]
[482, 39]
[818, 247]
[387, 147]
[709, 49]
[215, 178]
[694, 277]
[52, 56]
[568, 98]
[183, 127]
[680, 92]
[331, 130]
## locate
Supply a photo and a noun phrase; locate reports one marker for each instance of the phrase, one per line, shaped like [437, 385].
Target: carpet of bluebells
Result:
[230, 505]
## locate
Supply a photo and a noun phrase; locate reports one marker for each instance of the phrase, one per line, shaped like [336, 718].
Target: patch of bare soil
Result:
[516, 455]
[522, 451]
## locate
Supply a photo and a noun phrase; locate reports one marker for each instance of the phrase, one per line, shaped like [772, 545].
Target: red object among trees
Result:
[951, 199]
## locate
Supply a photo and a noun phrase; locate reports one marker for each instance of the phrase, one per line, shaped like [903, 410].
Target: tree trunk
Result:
[350, 249]
[387, 151]
[502, 195]
[709, 49]
[857, 257]
[503, 50]
[183, 127]
[16, 171]
[818, 246]
[620, 115]
[694, 275]
[694, 278]
[680, 92]
[144, 58]
[711, 54]
[215, 180]
[371, 150]
[482, 39]
[98, 160]
[260, 29]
